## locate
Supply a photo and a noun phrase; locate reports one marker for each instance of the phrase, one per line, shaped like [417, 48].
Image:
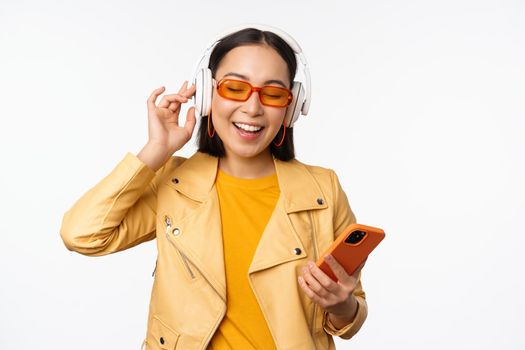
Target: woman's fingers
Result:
[311, 294]
[183, 87]
[190, 92]
[312, 282]
[323, 279]
[169, 106]
[185, 90]
[337, 269]
[174, 107]
[173, 101]
[180, 97]
[153, 97]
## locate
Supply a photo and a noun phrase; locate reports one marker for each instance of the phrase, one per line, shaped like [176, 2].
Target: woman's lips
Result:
[248, 135]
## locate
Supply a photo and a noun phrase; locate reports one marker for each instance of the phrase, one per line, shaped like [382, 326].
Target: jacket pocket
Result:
[160, 336]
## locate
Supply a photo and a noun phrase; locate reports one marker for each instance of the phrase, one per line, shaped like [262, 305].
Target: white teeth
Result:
[247, 127]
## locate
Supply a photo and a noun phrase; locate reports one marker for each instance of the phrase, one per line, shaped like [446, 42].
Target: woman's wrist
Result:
[154, 156]
[340, 321]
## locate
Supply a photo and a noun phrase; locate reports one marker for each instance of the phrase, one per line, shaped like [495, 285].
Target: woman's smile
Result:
[247, 131]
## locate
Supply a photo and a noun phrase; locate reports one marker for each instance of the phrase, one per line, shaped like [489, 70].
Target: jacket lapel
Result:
[201, 236]
[280, 241]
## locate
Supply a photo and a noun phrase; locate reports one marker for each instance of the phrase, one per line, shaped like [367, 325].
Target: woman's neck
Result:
[248, 168]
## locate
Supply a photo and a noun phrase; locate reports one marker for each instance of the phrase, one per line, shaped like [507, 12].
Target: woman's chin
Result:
[247, 151]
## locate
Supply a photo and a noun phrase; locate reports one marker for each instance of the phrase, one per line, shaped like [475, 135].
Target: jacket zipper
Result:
[186, 260]
[167, 220]
[155, 269]
[316, 256]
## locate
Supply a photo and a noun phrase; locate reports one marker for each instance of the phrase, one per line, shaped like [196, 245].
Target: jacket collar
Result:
[195, 178]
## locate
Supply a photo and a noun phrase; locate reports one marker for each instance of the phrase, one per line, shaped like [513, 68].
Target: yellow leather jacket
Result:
[178, 205]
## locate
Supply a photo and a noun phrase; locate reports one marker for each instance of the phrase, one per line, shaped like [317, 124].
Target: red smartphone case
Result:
[349, 253]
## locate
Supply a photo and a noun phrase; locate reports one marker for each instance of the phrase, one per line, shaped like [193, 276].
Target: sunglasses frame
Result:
[252, 89]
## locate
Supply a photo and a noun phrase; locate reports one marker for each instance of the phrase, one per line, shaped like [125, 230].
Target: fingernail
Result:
[311, 265]
[328, 258]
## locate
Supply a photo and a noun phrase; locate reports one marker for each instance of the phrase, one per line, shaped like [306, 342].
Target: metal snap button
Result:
[175, 180]
[161, 340]
[320, 201]
[297, 251]
[176, 231]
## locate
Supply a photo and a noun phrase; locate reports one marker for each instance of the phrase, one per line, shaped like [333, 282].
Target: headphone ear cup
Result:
[294, 109]
[203, 92]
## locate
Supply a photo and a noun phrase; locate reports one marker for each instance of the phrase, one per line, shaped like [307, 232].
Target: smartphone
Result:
[352, 247]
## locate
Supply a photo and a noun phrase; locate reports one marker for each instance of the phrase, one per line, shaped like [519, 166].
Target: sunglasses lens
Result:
[274, 96]
[234, 90]
[240, 91]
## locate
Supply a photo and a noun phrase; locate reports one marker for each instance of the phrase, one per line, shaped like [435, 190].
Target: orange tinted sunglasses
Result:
[239, 90]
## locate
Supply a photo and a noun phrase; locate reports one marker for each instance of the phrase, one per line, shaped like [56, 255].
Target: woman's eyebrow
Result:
[272, 81]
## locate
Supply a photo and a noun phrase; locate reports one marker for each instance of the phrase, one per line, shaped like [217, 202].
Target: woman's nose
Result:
[252, 106]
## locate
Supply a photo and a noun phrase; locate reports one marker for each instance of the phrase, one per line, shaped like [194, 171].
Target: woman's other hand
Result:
[336, 298]
[165, 135]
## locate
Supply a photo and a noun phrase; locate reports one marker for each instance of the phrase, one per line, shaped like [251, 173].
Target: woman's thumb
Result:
[190, 120]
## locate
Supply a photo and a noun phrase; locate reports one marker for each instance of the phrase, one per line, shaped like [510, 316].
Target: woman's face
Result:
[259, 65]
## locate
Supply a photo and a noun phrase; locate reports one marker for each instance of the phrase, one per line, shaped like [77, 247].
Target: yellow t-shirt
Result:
[246, 206]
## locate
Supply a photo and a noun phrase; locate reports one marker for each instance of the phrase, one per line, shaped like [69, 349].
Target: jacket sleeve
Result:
[343, 217]
[116, 214]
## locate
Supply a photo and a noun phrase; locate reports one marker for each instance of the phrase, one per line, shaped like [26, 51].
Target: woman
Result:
[240, 224]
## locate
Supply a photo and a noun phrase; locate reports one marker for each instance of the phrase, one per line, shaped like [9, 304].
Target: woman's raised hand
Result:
[163, 119]
[165, 134]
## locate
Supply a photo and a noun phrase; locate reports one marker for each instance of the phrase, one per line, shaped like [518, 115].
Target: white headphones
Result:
[204, 85]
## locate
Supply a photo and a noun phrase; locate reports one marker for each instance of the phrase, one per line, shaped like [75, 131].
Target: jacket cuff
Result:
[350, 329]
[133, 163]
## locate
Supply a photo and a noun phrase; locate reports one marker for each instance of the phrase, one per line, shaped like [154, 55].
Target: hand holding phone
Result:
[352, 248]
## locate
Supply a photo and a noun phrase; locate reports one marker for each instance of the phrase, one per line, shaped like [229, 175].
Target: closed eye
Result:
[235, 90]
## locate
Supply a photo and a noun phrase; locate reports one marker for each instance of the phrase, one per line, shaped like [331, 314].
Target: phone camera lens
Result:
[355, 237]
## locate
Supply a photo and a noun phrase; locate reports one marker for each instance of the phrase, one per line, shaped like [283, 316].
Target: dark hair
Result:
[249, 36]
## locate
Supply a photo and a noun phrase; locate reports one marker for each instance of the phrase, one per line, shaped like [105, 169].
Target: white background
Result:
[417, 105]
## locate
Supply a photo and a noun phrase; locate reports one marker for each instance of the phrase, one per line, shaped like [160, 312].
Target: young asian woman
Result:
[238, 225]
